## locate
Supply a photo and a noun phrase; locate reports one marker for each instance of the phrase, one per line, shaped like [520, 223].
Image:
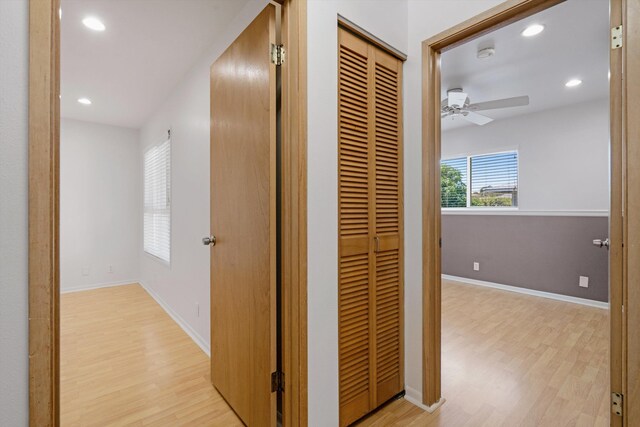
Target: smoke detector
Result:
[486, 53]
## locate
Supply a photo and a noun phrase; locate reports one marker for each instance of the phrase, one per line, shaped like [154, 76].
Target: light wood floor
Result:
[125, 362]
[507, 359]
[515, 360]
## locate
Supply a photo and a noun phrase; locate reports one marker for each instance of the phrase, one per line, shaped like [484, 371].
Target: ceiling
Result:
[574, 44]
[131, 67]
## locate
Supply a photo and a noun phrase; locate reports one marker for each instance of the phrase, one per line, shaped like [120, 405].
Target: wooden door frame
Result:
[44, 212]
[621, 183]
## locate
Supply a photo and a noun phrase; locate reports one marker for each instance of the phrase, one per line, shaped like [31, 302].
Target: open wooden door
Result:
[243, 221]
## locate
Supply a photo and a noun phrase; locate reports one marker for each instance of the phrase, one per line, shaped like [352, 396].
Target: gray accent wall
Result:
[543, 253]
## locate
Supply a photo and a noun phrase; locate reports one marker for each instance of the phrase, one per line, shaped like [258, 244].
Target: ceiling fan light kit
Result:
[458, 104]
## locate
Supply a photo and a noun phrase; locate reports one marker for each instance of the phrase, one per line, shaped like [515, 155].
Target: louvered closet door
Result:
[388, 226]
[370, 279]
[355, 234]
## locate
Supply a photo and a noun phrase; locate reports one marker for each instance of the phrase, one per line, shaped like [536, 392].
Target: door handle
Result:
[376, 240]
[209, 240]
[601, 243]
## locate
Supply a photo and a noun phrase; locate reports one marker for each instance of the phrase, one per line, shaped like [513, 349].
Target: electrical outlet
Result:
[584, 282]
[85, 271]
[110, 269]
[476, 266]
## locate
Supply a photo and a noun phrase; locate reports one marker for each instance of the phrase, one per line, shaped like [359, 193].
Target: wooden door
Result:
[370, 227]
[243, 220]
[388, 223]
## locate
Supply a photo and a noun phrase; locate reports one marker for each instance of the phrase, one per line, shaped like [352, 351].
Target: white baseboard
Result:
[97, 286]
[550, 295]
[179, 320]
[413, 396]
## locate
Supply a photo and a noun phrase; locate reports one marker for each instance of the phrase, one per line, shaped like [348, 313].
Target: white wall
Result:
[100, 219]
[14, 357]
[563, 155]
[387, 20]
[185, 282]
[426, 19]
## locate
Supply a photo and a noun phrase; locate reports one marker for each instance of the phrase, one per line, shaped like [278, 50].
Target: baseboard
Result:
[98, 286]
[179, 320]
[414, 397]
[550, 295]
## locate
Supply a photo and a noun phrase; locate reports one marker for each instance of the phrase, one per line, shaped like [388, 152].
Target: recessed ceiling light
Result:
[84, 101]
[533, 30]
[93, 23]
[573, 83]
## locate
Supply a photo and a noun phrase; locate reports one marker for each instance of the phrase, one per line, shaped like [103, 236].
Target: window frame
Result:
[480, 209]
[169, 196]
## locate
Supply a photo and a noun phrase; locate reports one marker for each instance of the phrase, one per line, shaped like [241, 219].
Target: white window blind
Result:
[488, 180]
[157, 201]
[494, 180]
[453, 182]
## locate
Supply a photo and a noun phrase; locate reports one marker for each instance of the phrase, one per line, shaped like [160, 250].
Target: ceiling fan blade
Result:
[457, 99]
[518, 101]
[476, 118]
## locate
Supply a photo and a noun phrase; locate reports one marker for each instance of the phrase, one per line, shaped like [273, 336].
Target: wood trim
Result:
[631, 226]
[486, 22]
[431, 215]
[366, 35]
[616, 227]
[497, 17]
[294, 212]
[44, 274]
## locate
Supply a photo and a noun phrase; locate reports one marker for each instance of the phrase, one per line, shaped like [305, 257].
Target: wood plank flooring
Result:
[125, 362]
[508, 360]
[515, 360]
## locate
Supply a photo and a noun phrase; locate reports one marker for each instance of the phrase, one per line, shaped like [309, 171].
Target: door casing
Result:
[44, 212]
[625, 364]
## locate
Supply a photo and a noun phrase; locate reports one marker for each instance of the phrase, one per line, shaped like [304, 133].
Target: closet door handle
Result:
[376, 240]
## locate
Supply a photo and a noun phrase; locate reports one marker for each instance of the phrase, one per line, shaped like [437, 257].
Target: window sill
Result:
[157, 259]
[478, 211]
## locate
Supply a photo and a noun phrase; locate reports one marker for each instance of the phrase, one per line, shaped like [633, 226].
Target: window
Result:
[454, 183]
[489, 180]
[157, 201]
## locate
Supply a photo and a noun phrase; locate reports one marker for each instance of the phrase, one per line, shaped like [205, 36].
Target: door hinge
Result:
[616, 403]
[277, 54]
[616, 37]
[277, 381]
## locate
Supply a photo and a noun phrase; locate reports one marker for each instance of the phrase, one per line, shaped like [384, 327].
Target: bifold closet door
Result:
[370, 227]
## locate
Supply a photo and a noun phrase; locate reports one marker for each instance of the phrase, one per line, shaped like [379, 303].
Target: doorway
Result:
[44, 214]
[433, 49]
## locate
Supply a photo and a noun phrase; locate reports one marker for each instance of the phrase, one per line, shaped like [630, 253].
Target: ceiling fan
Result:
[458, 103]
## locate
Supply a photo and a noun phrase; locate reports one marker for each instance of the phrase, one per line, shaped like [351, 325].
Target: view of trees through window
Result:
[491, 178]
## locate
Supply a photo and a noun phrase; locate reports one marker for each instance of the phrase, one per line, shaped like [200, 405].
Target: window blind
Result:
[453, 182]
[157, 201]
[488, 180]
[494, 180]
